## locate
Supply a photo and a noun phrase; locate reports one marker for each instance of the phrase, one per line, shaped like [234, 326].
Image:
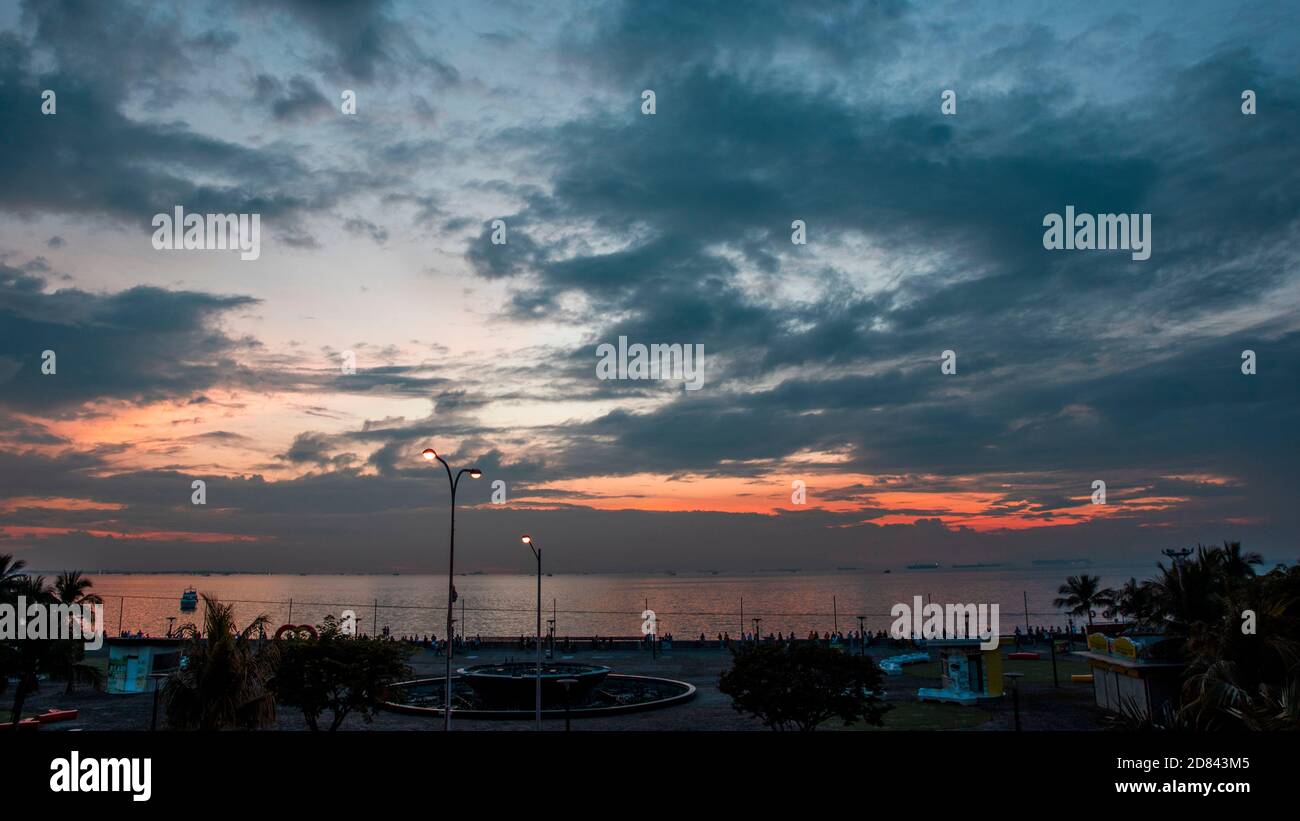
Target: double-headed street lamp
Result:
[537, 551]
[429, 455]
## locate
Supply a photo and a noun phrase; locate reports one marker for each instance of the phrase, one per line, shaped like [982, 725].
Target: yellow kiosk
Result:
[1133, 673]
[970, 673]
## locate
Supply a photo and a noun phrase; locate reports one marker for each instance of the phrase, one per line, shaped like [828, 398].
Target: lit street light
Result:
[537, 551]
[429, 455]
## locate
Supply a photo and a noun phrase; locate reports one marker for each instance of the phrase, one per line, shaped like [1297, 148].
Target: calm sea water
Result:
[608, 605]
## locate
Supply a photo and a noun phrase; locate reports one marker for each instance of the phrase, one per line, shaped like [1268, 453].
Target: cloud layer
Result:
[823, 360]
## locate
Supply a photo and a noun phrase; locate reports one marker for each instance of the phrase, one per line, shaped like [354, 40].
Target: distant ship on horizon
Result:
[923, 566]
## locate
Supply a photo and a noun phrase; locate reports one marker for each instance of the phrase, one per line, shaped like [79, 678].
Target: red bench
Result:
[1023, 656]
[54, 714]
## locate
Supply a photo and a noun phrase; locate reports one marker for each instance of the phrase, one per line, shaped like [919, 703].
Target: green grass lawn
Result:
[1040, 671]
[919, 715]
[909, 714]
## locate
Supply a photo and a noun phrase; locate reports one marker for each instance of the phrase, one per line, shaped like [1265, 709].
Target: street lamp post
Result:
[537, 551]
[566, 683]
[862, 636]
[429, 455]
[1015, 696]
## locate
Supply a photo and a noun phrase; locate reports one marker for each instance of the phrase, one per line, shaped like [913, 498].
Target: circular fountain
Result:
[508, 690]
[512, 685]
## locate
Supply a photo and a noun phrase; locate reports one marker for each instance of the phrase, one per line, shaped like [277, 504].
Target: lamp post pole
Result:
[566, 683]
[1015, 696]
[429, 455]
[537, 551]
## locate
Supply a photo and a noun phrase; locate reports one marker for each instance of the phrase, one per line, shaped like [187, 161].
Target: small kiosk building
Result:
[1135, 675]
[970, 673]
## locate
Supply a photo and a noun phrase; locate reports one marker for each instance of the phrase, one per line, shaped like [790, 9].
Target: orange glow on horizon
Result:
[33, 532]
[981, 511]
[55, 503]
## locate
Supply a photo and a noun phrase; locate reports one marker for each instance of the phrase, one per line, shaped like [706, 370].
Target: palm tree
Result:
[10, 571]
[1237, 632]
[1189, 592]
[10, 574]
[1083, 595]
[1217, 694]
[223, 681]
[1132, 601]
[70, 588]
[27, 658]
[1234, 678]
[1236, 564]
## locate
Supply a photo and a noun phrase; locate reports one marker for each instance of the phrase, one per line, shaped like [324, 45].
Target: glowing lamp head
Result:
[476, 474]
[526, 539]
[429, 454]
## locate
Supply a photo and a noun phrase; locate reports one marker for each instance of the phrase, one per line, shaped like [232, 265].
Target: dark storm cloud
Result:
[364, 227]
[925, 234]
[342, 521]
[361, 37]
[314, 448]
[142, 344]
[219, 437]
[518, 254]
[94, 159]
[1194, 411]
[1065, 360]
[297, 101]
[21, 433]
[91, 159]
[643, 41]
[427, 206]
[120, 49]
[148, 344]
[339, 519]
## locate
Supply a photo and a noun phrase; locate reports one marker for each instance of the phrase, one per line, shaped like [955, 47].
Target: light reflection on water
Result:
[611, 605]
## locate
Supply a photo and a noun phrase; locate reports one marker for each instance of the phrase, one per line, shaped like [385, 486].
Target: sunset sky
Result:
[822, 361]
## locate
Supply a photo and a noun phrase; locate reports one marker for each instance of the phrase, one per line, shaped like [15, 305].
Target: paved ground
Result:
[1043, 707]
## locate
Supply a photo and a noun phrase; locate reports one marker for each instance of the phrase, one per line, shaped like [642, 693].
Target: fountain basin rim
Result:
[688, 693]
[482, 670]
